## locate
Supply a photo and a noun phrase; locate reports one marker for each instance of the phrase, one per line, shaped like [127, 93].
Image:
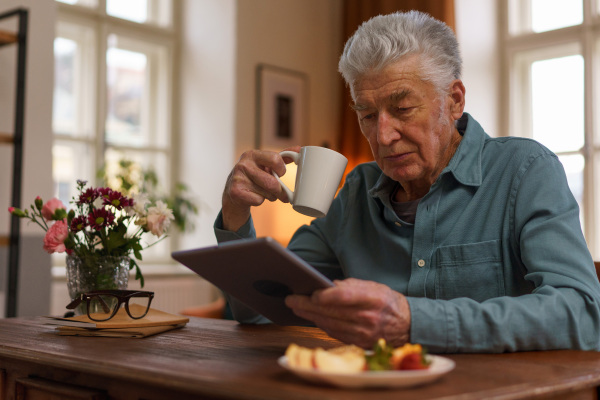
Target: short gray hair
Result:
[385, 39]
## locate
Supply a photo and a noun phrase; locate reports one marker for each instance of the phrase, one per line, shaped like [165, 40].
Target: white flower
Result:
[159, 218]
[141, 221]
[140, 201]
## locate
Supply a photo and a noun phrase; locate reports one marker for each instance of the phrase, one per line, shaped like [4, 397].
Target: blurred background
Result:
[175, 88]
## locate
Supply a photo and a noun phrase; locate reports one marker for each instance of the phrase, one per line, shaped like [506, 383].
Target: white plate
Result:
[391, 379]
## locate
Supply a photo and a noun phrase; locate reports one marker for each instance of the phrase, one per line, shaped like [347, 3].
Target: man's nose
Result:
[386, 129]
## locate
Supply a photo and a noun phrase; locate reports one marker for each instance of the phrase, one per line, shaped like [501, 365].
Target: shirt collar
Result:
[465, 165]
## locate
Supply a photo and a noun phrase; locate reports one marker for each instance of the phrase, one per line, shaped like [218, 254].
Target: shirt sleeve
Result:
[561, 312]
[314, 243]
[310, 242]
[246, 231]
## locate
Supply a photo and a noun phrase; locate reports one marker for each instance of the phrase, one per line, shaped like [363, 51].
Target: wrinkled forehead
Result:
[408, 66]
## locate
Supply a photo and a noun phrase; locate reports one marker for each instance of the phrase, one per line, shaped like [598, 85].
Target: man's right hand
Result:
[250, 183]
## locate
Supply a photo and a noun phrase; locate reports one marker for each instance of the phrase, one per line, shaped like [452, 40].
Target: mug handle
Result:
[295, 157]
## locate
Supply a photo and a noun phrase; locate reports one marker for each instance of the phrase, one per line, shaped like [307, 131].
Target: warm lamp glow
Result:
[276, 219]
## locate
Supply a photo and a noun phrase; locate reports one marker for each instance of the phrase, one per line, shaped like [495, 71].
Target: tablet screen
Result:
[258, 272]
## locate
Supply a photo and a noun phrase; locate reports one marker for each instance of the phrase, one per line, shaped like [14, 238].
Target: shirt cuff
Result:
[246, 231]
[431, 325]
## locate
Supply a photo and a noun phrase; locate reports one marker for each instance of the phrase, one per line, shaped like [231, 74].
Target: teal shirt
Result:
[495, 261]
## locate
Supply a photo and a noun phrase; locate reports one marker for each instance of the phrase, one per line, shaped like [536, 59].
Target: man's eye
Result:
[402, 110]
[367, 117]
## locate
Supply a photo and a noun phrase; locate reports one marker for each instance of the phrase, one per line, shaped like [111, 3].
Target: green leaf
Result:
[138, 272]
[380, 359]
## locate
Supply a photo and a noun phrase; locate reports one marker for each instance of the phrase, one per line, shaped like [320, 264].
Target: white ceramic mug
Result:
[319, 174]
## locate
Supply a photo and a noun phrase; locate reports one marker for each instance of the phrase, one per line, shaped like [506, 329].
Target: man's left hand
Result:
[357, 312]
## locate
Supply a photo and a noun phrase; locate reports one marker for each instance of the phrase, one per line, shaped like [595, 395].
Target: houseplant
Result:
[129, 177]
[101, 234]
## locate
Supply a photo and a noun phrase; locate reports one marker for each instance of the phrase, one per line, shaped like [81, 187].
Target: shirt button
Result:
[398, 223]
[421, 263]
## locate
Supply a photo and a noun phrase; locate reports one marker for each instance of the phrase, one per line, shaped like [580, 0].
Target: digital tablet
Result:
[258, 272]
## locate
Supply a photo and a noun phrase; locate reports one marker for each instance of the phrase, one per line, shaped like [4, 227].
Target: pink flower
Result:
[159, 218]
[54, 241]
[11, 209]
[50, 208]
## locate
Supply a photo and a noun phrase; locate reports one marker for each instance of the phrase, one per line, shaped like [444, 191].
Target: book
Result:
[121, 320]
[116, 332]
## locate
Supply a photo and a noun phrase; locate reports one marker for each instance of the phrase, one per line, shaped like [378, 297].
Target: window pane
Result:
[157, 12]
[74, 86]
[557, 103]
[71, 161]
[133, 10]
[543, 15]
[596, 91]
[574, 169]
[137, 96]
[65, 97]
[126, 83]
[547, 15]
[85, 3]
[595, 247]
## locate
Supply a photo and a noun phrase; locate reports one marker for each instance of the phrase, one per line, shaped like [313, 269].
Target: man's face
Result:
[409, 129]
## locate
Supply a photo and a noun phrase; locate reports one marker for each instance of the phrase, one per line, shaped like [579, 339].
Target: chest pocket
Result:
[471, 270]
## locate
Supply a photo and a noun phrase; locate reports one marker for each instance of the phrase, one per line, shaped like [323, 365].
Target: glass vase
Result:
[85, 274]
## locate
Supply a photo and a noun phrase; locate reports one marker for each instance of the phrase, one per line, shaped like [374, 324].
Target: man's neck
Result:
[414, 190]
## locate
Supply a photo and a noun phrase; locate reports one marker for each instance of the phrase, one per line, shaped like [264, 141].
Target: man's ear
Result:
[457, 94]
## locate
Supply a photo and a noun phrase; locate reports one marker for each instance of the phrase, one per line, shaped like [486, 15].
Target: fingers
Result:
[288, 160]
[345, 324]
[251, 182]
[353, 293]
[356, 311]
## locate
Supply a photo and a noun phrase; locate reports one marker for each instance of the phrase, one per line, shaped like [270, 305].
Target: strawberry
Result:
[413, 361]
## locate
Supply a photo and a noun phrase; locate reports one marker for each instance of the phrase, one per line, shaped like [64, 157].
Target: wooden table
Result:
[221, 359]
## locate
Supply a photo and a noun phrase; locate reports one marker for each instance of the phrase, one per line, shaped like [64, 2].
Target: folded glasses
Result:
[102, 305]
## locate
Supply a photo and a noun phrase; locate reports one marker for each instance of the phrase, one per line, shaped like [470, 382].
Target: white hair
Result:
[385, 39]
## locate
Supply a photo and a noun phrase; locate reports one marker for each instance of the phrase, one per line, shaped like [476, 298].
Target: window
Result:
[553, 48]
[112, 92]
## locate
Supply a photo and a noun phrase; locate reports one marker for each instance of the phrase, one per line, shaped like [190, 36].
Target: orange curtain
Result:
[352, 143]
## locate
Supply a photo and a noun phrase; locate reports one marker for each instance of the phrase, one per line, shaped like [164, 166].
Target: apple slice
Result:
[349, 362]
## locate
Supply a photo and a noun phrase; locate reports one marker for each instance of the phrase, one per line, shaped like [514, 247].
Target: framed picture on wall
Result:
[281, 119]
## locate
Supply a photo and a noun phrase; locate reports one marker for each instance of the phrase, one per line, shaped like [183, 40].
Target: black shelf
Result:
[19, 39]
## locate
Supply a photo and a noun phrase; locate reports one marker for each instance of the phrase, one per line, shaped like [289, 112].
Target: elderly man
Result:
[451, 238]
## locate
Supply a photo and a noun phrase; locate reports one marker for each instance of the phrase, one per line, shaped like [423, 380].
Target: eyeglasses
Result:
[102, 305]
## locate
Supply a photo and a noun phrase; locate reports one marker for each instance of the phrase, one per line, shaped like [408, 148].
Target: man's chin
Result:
[402, 174]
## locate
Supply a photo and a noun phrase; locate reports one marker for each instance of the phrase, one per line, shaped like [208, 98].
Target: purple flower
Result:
[104, 192]
[100, 218]
[116, 199]
[78, 223]
[88, 196]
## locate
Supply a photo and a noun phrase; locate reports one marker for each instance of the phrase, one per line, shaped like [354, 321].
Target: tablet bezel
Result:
[257, 272]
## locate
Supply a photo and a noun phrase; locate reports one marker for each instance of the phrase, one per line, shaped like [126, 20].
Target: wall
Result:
[206, 107]
[304, 36]
[224, 41]
[477, 33]
[34, 276]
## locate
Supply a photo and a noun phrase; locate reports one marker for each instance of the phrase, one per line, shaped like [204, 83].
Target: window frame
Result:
[586, 37]
[158, 38]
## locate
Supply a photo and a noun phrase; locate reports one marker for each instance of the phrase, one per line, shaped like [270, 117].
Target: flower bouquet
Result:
[103, 228]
